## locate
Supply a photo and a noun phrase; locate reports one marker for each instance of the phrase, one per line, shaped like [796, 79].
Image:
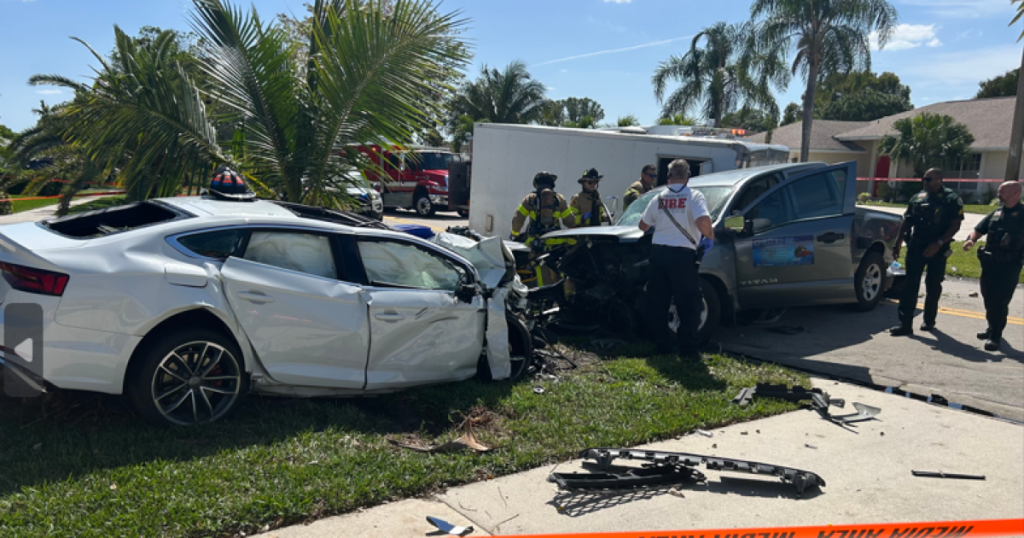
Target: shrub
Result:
[863, 197]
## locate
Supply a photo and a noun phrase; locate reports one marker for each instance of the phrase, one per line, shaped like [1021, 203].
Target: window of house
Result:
[394, 263]
[297, 251]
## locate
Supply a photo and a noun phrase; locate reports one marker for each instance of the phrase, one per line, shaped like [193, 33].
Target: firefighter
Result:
[586, 205]
[1001, 260]
[547, 212]
[648, 175]
[933, 217]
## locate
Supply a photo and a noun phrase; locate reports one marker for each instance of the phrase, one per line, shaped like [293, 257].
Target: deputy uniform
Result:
[636, 190]
[673, 268]
[1001, 260]
[929, 217]
[546, 211]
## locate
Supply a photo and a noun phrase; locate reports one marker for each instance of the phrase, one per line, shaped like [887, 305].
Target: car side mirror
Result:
[466, 292]
[614, 206]
[736, 223]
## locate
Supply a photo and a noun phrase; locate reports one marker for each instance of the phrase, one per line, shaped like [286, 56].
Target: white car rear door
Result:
[420, 332]
[307, 326]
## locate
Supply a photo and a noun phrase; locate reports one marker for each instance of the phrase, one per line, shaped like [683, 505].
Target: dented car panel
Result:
[292, 300]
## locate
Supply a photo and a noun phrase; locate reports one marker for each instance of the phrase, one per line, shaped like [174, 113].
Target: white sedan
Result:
[187, 304]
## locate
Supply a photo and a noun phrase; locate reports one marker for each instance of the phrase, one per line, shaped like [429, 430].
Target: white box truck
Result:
[506, 157]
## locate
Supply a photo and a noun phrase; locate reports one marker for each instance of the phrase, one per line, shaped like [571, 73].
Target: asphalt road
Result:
[439, 222]
[950, 361]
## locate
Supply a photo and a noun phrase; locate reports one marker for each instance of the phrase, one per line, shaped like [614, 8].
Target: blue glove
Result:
[706, 244]
[586, 216]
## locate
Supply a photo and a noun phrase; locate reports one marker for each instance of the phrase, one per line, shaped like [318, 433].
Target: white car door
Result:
[420, 332]
[306, 326]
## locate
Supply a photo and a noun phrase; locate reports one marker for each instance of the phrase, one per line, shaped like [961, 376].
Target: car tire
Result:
[423, 206]
[520, 345]
[869, 282]
[713, 308]
[163, 383]
[711, 314]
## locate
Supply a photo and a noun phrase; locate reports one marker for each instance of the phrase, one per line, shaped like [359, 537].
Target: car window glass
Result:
[771, 212]
[217, 244]
[402, 264]
[753, 191]
[816, 196]
[303, 252]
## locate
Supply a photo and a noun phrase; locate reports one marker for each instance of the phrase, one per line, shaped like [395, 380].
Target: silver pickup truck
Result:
[785, 235]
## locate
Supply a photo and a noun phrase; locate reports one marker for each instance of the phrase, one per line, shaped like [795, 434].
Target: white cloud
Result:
[53, 91]
[617, 1]
[963, 9]
[908, 36]
[959, 71]
[610, 51]
[563, 70]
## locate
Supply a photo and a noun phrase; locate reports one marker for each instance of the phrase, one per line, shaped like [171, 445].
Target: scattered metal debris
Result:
[669, 468]
[704, 433]
[864, 412]
[466, 441]
[538, 390]
[810, 446]
[940, 474]
[444, 526]
[973, 294]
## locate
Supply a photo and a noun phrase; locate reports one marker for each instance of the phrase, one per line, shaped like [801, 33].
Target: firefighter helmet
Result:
[591, 175]
[544, 180]
[230, 185]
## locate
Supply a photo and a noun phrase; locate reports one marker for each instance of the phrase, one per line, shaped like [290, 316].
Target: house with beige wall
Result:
[989, 120]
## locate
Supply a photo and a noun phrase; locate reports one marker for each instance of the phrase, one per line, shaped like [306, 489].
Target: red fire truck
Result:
[418, 179]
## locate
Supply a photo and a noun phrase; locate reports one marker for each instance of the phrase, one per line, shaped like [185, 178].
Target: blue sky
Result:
[602, 49]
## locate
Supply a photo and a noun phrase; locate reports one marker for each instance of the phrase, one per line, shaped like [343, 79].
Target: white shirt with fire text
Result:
[686, 207]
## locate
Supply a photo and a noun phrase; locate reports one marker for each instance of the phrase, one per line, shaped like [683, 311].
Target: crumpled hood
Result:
[625, 234]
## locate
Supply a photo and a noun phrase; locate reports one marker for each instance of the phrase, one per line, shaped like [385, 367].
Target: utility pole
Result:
[1017, 134]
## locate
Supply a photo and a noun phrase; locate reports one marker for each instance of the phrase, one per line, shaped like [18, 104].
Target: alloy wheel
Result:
[872, 284]
[195, 383]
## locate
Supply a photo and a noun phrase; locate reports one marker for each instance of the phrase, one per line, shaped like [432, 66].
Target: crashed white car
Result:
[187, 304]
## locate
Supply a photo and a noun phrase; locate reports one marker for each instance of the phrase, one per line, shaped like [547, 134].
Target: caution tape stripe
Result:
[936, 529]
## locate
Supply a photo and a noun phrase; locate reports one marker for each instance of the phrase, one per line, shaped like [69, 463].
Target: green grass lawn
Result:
[100, 203]
[77, 464]
[968, 208]
[26, 205]
[965, 264]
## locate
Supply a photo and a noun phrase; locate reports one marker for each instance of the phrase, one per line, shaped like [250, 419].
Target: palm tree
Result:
[367, 80]
[1020, 14]
[928, 140]
[628, 120]
[1013, 163]
[509, 96]
[717, 78]
[829, 36]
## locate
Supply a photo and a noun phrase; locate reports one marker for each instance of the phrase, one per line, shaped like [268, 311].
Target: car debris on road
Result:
[671, 468]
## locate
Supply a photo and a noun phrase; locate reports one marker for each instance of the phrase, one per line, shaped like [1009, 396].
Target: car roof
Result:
[207, 206]
[732, 177]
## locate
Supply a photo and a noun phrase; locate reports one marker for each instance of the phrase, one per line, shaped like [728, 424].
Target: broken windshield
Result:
[715, 196]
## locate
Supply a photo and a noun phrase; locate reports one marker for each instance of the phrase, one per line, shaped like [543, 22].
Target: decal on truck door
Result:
[784, 251]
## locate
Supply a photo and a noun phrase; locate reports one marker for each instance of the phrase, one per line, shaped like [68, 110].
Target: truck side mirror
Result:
[736, 223]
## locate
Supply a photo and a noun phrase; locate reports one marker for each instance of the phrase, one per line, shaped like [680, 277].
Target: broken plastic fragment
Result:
[704, 433]
[444, 526]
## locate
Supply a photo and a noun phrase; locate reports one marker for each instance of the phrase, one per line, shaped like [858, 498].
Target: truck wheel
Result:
[710, 314]
[423, 206]
[869, 281]
[464, 213]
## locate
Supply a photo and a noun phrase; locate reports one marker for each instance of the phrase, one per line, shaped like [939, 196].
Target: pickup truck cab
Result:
[785, 235]
[416, 179]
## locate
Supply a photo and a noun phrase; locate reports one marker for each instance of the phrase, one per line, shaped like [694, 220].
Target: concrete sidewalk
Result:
[867, 472]
[40, 213]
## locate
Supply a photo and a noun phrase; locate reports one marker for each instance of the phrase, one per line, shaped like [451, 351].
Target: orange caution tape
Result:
[934, 529]
[58, 196]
